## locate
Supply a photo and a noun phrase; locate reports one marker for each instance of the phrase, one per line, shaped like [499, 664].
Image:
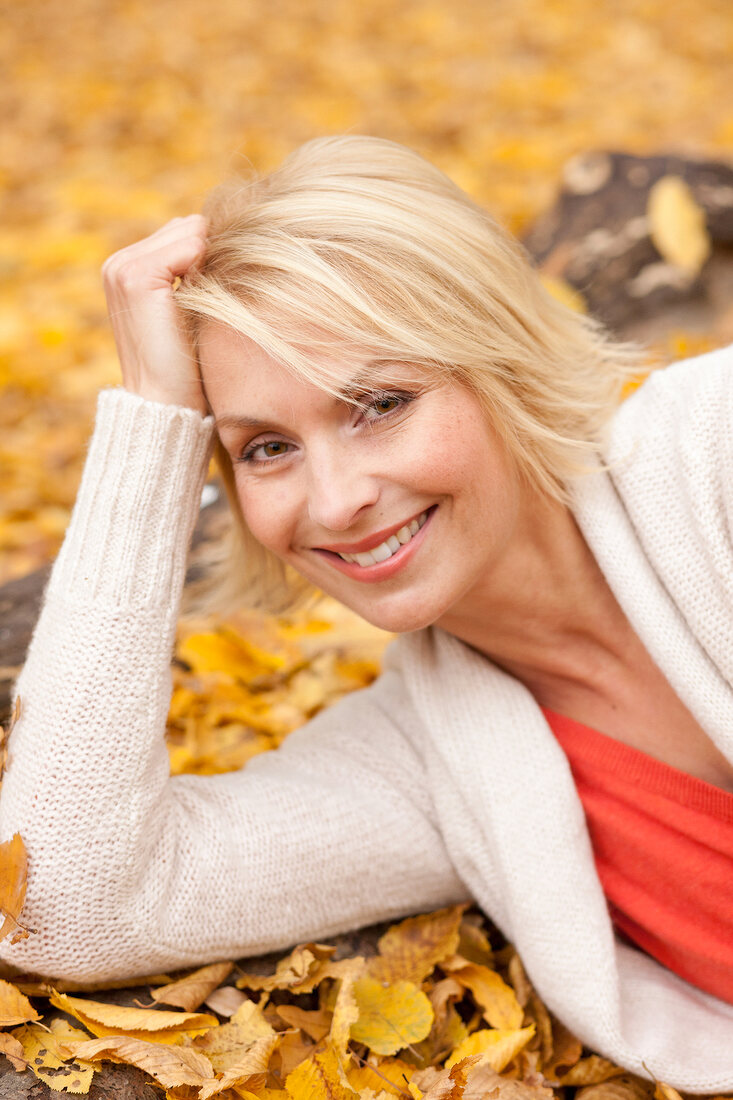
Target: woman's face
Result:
[396, 508]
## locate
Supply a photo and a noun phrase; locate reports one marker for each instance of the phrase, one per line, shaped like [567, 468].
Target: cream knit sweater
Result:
[440, 782]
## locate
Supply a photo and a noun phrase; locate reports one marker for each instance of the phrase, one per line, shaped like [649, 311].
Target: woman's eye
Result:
[382, 405]
[262, 452]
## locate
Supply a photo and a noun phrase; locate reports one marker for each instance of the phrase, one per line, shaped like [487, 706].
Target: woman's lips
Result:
[380, 570]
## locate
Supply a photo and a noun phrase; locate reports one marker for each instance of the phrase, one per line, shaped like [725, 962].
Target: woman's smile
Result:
[371, 561]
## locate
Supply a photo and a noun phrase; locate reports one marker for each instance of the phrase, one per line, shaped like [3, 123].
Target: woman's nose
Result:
[339, 489]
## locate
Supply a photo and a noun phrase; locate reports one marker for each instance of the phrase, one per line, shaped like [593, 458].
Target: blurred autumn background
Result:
[121, 115]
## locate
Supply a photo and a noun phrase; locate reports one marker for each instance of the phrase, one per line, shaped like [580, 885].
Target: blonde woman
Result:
[404, 419]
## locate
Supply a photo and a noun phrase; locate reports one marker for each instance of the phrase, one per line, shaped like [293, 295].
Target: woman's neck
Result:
[545, 613]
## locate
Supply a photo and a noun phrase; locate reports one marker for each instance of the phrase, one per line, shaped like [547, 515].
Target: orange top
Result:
[663, 846]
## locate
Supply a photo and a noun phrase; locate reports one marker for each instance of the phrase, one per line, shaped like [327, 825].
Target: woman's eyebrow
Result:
[232, 420]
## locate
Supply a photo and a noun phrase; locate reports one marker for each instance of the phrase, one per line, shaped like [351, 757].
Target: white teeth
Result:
[390, 546]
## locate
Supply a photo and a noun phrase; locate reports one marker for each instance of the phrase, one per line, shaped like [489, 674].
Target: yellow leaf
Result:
[13, 873]
[191, 991]
[300, 971]
[346, 1010]
[410, 950]
[677, 224]
[497, 1000]
[168, 1066]
[319, 1078]
[14, 1007]
[496, 1046]
[250, 1071]
[158, 1026]
[665, 1092]
[224, 1046]
[390, 1075]
[13, 1051]
[50, 1063]
[390, 1017]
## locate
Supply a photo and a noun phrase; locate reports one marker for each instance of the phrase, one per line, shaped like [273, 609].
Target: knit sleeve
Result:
[132, 871]
[671, 463]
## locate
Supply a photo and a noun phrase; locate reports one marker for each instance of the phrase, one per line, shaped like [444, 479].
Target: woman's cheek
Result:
[266, 512]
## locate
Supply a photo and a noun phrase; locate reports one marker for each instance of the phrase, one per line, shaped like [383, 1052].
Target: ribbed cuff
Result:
[137, 504]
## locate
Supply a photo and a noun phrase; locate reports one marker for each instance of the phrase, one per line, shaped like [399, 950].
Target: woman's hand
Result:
[157, 360]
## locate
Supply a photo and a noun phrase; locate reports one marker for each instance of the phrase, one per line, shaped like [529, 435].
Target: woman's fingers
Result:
[156, 358]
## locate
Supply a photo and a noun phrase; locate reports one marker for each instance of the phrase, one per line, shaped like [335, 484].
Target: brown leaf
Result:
[250, 1072]
[316, 1023]
[593, 1070]
[171, 1067]
[319, 1078]
[410, 950]
[193, 990]
[300, 971]
[226, 1045]
[13, 874]
[13, 1051]
[623, 1087]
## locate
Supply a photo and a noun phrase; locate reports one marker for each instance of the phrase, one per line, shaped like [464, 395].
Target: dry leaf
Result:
[319, 1078]
[497, 1047]
[13, 1051]
[315, 1023]
[497, 1000]
[170, 1066]
[593, 1070]
[389, 1076]
[390, 1017]
[225, 1001]
[14, 1007]
[250, 1072]
[300, 971]
[346, 1010]
[623, 1087]
[51, 1063]
[225, 1045]
[13, 874]
[144, 1023]
[665, 1092]
[410, 950]
[677, 224]
[195, 988]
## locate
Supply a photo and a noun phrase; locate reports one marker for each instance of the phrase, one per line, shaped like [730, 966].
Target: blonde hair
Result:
[358, 242]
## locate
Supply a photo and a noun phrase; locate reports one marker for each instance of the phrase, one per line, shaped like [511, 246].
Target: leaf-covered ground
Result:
[118, 116]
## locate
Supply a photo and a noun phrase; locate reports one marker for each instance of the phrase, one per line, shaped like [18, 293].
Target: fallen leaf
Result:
[319, 1078]
[496, 1046]
[13, 874]
[193, 990]
[14, 1007]
[346, 1010]
[390, 1076]
[593, 1070]
[497, 1000]
[411, 950]
[623, 1087]
[677, 224]
[225, 1045]
[13, 1051]
[50, 1063]
[249, 1072]
[171, 1067]
[390, 1016]
[225, 1001]
[300, 971]
[152, 1024]
[316, 1023]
